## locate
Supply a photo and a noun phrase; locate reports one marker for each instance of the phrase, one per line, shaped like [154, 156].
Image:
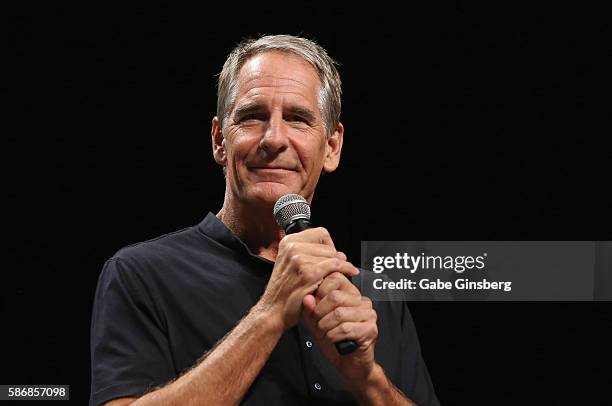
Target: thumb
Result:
[309, 303]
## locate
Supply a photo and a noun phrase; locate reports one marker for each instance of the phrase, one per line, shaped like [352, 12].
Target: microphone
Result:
[292, 212]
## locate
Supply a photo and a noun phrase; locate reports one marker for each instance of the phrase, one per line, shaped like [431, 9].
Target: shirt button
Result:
[317, 386]
[308, 343]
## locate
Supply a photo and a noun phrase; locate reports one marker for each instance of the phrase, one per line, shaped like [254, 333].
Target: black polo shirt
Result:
[161, 304]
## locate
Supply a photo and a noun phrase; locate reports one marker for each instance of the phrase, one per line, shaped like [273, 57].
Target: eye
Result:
[251, 116]
[296, 118]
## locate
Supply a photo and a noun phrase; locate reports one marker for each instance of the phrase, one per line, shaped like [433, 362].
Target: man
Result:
[232, 310]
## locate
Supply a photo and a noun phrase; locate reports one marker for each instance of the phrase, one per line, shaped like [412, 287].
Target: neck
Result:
[255, 226]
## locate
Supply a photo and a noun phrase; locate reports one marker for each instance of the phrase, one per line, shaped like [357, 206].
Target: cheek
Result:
[316, 159]
[311, 152]
[239, 149]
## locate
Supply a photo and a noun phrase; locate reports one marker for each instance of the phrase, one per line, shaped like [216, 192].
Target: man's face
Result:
[274, 142]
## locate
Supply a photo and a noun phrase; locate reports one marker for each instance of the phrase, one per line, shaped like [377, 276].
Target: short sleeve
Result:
[415, 379]
[129, 349]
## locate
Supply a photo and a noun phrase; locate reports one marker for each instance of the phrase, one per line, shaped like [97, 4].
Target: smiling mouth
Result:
[275, 174]
[271, 168]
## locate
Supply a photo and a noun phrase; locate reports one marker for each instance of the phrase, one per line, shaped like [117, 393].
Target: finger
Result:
[306, 259]
[309, 270]
[335, 281]
[326, 267]
[363, 333]
[299, 247]
[345, 314]
[309, 303]
[317, 235]
[335, 298]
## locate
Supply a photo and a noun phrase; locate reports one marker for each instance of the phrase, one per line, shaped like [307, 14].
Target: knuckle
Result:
[344, 328]
[335, 296]
[296, 259]
[324, 231]
[321, 325]
[338, 314]
[374, 315]
[290, 247]
[337, 276]
[367, 302]
[285, 242]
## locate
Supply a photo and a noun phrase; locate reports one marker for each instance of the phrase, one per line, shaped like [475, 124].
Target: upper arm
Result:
[130, 352]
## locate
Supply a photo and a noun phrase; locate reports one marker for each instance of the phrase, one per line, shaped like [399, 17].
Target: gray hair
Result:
[330, 90]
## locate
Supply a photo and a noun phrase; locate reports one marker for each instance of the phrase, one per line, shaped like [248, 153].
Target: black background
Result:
[464, 121]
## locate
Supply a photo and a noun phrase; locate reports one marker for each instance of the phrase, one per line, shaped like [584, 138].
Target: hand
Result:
[304, 259]
[338, 312]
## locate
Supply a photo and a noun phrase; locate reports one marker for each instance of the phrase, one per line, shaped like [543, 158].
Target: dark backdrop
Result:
[464, 121]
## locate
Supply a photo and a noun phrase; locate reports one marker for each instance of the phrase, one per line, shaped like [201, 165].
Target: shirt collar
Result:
[214, 228]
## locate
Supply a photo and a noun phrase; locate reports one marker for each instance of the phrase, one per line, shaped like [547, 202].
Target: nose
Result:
[274, 140]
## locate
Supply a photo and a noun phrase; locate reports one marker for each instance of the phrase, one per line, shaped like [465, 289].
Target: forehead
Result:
[278, 74]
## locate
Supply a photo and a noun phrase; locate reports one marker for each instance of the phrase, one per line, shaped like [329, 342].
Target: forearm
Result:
[226, 372]
[378, 390]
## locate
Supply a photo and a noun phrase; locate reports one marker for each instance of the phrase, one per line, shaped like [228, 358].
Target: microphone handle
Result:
[343, 347]
[298, 225]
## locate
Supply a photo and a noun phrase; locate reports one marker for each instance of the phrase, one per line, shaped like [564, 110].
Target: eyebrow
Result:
[248, 108]
[305, 112]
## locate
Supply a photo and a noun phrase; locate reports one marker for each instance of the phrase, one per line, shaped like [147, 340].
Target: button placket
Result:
[313, 377]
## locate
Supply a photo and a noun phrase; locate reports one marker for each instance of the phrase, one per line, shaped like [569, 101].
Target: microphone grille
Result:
[289, 208]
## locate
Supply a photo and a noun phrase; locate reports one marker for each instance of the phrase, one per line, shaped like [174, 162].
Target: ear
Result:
[333, 149]
[218, 142]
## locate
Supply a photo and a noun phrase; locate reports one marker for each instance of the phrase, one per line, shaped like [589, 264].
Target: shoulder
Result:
[163, 248]
[139, 261]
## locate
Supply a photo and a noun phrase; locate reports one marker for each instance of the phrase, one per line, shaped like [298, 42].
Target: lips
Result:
[271, 168]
